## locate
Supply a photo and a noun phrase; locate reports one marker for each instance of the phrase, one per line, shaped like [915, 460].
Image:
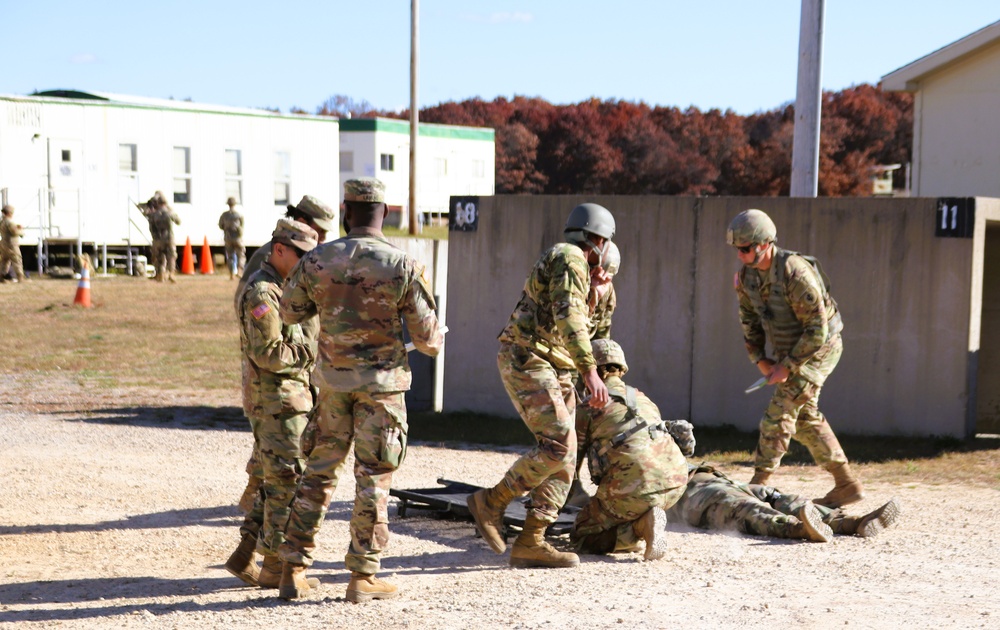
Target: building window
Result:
[479, 168]
[388, 162]
[234, 174]
[182, 174]
[66, 155]
[347, 161]
[127, 158]
[282, 178]
[440, 167]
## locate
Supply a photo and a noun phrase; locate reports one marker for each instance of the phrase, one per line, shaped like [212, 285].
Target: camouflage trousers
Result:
[715, 502]
[235, 251]
[642, 473]
[253, 521]
[10, 259]
[794, 413]
[375, 423]
[164, 258]
[546, 401]
[278, 441]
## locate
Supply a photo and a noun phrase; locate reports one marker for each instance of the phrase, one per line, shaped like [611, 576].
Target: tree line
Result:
[624, 147]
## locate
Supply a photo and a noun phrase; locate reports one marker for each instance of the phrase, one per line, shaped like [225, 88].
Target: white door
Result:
[65, 189]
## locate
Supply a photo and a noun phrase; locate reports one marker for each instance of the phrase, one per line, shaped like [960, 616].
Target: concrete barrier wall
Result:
[906, 298]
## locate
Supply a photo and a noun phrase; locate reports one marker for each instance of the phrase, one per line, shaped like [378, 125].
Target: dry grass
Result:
[184, 336]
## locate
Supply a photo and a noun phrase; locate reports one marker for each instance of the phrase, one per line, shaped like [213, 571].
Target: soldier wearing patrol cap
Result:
[364, 290]
[784, 298]
[277, 361]
[231, 224]
[310, 211]
[543, 348]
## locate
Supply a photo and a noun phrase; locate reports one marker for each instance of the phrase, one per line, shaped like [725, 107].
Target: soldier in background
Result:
[231, 224]
[310, 211]
[543, 348]
[364, 290]
[635, 463]
[161, 219]
[784, 299]
[277, 360]
[713, 501]
[10, 246]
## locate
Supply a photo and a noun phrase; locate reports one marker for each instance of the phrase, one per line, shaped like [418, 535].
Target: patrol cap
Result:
[295, 234]
[366, 189]
[321, 214]
[8, 210]
[231, 201]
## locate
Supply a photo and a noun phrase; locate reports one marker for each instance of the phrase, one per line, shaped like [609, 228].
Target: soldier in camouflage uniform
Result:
[713, 501]
[310, 211]
[10, 246]
[363, 289]
[638, 469]
[161, 219]
[545, 344]
[277, 360]
[231, 224]
[784, 298]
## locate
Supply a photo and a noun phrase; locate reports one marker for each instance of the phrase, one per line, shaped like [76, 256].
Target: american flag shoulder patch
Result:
[260, 310]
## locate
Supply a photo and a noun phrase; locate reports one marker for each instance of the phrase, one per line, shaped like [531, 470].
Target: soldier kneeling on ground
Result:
[635, 463]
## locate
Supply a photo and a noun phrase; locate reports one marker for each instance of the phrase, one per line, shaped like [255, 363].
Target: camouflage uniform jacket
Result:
[231, 224]
[633, 440]
[600, 317]
[552, 316]
[706, 487]
[159, 224]
[10, 234]
[363, 288]
[277, 358]
[253, 264]
[790, 304]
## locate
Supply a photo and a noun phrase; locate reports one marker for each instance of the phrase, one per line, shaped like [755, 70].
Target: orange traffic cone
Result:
[187, 261]
[207, 266]
[83, 289]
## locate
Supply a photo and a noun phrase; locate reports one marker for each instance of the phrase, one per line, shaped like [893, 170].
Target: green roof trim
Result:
[430, 130]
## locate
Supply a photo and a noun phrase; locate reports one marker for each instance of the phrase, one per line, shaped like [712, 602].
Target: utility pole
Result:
[414, 116]
[808, 101]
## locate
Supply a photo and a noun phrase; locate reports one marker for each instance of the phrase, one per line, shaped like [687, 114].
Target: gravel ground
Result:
[123, 515]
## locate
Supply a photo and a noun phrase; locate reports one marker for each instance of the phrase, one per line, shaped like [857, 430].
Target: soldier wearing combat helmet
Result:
[784, 299]
[364, 291]
[543, 348]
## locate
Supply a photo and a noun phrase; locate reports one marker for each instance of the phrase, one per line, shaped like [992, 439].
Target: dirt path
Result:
[123, 517]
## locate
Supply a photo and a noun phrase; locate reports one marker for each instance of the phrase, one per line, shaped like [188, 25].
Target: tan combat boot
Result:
[487, 507]
[652, 527]
[846, 489]
[760, 477]
[811, 526]
[270, 573]
[242, 563]
[364, 588]
[870, 524]
[531, 550]
[294, 583]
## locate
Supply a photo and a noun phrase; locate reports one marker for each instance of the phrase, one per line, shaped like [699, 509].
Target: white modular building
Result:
[451, 160]
[73, 164]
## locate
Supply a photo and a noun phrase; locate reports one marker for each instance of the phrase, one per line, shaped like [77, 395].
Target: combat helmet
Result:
[612, 260]
[608, 352]
[592, 218]
[750, 227]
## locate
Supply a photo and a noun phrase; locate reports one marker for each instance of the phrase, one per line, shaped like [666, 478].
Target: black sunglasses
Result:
[745, 249]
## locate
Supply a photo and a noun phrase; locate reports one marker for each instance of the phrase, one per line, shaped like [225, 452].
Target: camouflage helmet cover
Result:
[751, 227]
[592, 218]
[608, 352]
[8, 210]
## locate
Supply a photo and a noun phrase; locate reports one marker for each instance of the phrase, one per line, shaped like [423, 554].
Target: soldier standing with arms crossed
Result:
[277, 360]
[10, 246]
[784, 299]
[363, 289]
[545, 344]
[231, 224]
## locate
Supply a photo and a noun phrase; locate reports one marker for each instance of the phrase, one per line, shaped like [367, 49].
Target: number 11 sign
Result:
[956, 217]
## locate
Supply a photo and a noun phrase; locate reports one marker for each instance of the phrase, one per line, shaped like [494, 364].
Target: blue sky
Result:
[726, 54]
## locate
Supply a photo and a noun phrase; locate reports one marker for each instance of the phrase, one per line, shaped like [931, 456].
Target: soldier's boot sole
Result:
[812, 522]
[655, 533]
[488, 526]
[873, 523]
